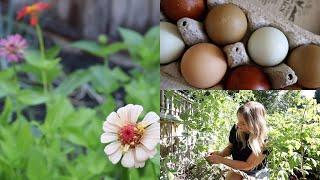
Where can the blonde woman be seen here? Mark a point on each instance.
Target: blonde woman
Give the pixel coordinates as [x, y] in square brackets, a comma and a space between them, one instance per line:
[247, 145]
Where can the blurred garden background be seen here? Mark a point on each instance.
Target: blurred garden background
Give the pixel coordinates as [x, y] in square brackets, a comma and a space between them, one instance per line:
[194, 123]
[98, 55]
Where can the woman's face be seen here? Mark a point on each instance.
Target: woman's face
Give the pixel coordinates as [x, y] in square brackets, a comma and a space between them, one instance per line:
[242, 125]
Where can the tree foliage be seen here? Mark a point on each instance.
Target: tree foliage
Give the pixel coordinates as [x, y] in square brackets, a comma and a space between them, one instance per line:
[294, 132]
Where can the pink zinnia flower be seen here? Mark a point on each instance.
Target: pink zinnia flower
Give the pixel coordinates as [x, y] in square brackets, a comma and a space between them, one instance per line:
[12, 48]
[134, 141]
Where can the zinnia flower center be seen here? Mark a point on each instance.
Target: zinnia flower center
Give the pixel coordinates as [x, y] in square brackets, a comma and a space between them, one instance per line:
[131, 135]
[11, 48]
[32, 9]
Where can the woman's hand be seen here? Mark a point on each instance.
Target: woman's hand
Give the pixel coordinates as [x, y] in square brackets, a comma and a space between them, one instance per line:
[215, 153]
[214, 159]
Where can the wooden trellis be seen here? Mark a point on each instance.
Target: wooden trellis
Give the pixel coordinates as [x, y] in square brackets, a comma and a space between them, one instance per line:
[173, 132]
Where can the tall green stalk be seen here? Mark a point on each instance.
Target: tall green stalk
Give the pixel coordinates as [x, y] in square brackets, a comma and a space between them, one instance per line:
[42, 51]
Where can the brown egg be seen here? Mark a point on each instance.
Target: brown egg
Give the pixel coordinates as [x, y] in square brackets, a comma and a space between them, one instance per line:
[305, 61]
[203, 65]
[177, 9]
[293, 87]
[248, 77]
[226, 24]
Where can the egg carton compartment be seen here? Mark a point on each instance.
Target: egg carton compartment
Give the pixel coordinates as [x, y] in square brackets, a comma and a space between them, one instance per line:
[280, 75]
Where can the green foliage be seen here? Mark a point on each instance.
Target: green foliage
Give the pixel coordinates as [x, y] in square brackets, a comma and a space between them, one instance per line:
[99, 49]
[143, 49]
[294, 132]
[47, 131]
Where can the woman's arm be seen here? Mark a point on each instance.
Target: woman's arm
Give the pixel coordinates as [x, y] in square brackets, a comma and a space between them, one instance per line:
[226, 151]
[251, 162]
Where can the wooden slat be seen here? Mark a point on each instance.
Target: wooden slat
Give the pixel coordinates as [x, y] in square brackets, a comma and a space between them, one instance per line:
[93, 17]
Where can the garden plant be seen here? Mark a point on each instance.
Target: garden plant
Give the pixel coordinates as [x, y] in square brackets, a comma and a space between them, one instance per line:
[293, 140]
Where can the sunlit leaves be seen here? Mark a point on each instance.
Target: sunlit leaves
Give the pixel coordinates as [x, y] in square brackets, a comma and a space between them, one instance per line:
[293, 121]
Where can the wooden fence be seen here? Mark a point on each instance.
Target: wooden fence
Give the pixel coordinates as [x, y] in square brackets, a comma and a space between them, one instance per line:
[89, 18]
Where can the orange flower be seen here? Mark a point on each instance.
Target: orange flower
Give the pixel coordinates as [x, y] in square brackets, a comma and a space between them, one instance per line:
[33, 10]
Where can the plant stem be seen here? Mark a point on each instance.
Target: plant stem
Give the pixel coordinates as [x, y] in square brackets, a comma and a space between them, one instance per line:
[42, 51]
[41, 41]
[44, 81]
[15, 73]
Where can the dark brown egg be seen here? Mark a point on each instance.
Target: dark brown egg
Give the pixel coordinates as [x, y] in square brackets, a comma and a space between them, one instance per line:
[248, 77]
[226, 24]
[177, 9]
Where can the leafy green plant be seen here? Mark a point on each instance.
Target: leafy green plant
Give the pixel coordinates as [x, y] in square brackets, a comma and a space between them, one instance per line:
[293, 120]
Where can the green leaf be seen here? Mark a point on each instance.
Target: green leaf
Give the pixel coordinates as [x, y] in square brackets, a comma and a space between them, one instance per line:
[6, 114]
[113, 48]
[118, 74]
[133, 174]
[8, 87]
[96, 164]
[6, 74]
[75, 135]
[103, 80]
[138, 91]
[72, 82]
[34, 58]
[156, 160]
[58, 108]
[130, 37]
[37, 168]
[24, 137]
[51, 74]
[152, 33]
[31, 97]
[89, 46]
[53, 52]
[100, 50]
[79, 118]
[8, 144]
[108, 106]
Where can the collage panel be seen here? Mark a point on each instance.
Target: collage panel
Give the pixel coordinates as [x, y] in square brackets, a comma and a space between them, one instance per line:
[239, 44]
[159, 89]
[239, 96]
[79, 90]
[213, 134]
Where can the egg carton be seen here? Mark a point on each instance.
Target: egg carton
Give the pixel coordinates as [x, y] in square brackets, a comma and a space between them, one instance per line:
[192, 32]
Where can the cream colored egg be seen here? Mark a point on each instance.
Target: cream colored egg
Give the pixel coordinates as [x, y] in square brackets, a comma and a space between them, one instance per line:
[268, 46]
[171, 43]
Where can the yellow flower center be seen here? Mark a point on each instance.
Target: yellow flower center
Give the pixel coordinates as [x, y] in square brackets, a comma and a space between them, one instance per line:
[32, 9]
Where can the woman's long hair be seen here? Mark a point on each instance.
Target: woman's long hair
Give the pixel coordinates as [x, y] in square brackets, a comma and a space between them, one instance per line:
[254, 115]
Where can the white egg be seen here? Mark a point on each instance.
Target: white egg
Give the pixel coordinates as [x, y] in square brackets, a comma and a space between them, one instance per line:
[268, 46]
[171, 43]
